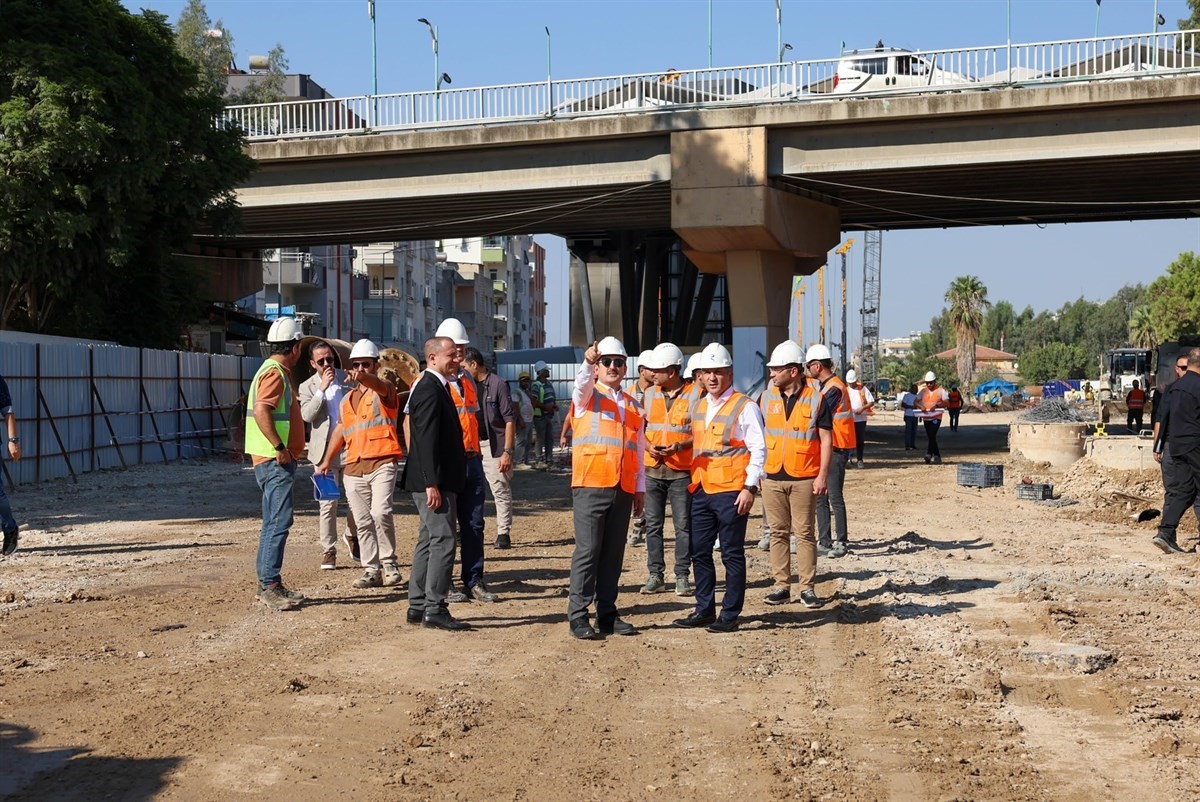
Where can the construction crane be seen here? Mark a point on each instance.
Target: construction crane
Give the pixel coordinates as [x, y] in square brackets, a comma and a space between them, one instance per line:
[821, 303]
[872, 267]
[798, 296]
[842, 251]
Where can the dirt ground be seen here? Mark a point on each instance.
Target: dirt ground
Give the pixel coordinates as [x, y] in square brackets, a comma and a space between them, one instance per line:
[948, 664]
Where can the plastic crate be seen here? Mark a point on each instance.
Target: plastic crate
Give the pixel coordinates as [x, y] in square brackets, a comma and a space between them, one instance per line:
[1035, 492]
[976, 474]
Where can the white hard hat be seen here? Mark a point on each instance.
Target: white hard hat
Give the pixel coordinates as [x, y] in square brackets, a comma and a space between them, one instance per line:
[539, 366]
[364, 349]
[284, 330]
[714, 356]
[665, 355]
[610, 346]
[851, 376]
[693, 360]
[929, 377]
[453, 328]
[817, 351]
[786, 353]
[646, 359]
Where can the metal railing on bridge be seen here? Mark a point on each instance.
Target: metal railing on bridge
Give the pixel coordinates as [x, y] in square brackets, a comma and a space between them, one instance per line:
[1150, 55]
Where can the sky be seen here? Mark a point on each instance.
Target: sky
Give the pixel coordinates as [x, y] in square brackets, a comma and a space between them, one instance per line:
[488, 42]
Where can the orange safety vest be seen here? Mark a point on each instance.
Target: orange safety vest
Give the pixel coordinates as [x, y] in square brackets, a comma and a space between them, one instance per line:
[467, 404]
[604, 450]
[1136, 400]
[719, 461]
[844, 436]
[370, 428]
[927, 403]
[793, 444]
[669, 425]
[955, 400]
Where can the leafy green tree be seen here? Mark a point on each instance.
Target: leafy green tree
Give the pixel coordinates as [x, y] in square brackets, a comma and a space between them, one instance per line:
[1193, 22]
[109, 162]
[1054, 361]
[967, 297]
[1142, 333]
[266, 86]
[999, 326]
[208, 44]
[1175, 299]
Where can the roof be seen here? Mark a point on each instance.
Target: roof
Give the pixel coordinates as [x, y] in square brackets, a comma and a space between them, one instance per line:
[982, 354]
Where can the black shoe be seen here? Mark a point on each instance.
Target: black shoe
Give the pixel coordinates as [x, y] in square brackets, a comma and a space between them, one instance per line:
[809, 598]
[779, 596]
[696, 620]
[1166, 544]
[928, 458]
[723, 625]
[414, 616]
[581, 629]
[479, 592]
[618, 627]
[10, 542]
[937, 460]
[503, 542]
[444, 621]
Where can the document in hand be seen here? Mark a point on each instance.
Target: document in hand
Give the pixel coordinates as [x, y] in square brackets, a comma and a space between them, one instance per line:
[325, 487]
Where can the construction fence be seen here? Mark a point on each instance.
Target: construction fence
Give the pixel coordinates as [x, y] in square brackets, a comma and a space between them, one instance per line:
[85, 406]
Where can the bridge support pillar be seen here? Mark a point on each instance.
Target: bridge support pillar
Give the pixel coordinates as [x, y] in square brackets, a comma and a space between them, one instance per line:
[732, 220]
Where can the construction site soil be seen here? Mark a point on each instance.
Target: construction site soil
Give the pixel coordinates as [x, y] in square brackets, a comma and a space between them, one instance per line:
[973, 646]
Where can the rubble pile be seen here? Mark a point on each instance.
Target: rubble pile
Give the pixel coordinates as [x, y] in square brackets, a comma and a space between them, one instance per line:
[1056, 410]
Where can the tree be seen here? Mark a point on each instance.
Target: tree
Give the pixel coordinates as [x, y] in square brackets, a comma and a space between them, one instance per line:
[208, 44]
[1175, 299]
[1193, 22]
[1053, 361]
[109, 162]
[266, 86]
[1141, 328]
[999, 326]
[967, 297]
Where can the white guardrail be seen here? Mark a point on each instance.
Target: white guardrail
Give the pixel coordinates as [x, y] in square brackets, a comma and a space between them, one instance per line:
[863, 73]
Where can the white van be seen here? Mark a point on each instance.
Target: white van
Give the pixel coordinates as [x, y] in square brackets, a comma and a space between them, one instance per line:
[890, 68]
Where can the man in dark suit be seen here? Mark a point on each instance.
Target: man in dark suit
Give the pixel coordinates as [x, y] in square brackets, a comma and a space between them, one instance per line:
[434, 472]
[1177, 447]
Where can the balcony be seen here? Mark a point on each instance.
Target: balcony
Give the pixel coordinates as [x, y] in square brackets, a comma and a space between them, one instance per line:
[500, 290]
[296, 270]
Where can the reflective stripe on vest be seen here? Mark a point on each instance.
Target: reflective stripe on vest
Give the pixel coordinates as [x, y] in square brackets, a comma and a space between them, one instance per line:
[955, 400]
[669, 425]
[370, 430]
[604, 452]
[467, 404]
[719, 462]
[793, 444]
[844, 436]
[927, 403]
[1136, 401]
[257, 443]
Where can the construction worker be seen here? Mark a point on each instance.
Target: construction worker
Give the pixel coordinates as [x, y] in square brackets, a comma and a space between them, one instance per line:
[320, 405]
[7, 521]
[799, 450]
[668, 459]
[524, 420]
[367, 428]
[908, 402]
[545, 405]
[863, 404]
[274, 440]
[470, 501]
[954, 402]
[832, 538]
[1135, 401]
[728, 454]
[608, 482]
[645, 380]
[931, 400]
[498, 427]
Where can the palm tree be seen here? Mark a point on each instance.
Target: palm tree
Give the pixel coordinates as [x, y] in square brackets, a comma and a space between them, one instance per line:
[1141, 329]
[967, 298]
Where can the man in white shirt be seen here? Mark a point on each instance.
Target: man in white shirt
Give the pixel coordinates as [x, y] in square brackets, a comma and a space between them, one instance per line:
[728, 454]
[861, 402]
[908, 402]
[320, 401]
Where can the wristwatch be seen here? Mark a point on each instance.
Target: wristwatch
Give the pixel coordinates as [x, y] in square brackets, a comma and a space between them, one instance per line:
[14, 440]
[280, 447]
[508, 451]
[752, 489]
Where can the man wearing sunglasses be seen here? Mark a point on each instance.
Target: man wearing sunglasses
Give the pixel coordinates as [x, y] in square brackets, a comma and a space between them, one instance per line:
[1171, 444]
[320, 405]
[608, 481]
[367, 428]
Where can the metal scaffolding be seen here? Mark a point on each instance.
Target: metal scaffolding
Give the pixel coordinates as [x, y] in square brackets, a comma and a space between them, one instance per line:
[872, 265]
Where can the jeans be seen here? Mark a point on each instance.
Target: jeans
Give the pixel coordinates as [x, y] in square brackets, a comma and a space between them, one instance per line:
[657, 493]
[523, 443]
[470, 523]
[716, 517]
[860, 437]
[931, 430]
[836, 499]
[910, 431]
[544, 424]
[1133, 421]
[276, 482]
[7, 522]
[954, 419]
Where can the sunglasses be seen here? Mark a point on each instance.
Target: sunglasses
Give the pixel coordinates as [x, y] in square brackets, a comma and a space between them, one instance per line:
[366, 364]
[612, 362]
[1181, 367]
[326, 361]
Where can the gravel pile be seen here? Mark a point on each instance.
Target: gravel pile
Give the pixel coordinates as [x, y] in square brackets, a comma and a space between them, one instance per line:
[1056, 410]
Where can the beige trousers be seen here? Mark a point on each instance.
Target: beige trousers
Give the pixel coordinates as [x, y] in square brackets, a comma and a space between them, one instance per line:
[501, 486]
[370, 500]
[328, 512]
[790, 507]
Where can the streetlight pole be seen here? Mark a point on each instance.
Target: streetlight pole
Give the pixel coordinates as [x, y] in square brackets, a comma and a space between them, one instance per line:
[549, 81]
[1096, 32]
[779, 28]
[710, 2]
[437, 73]
[374, 67]
[1008, 35]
